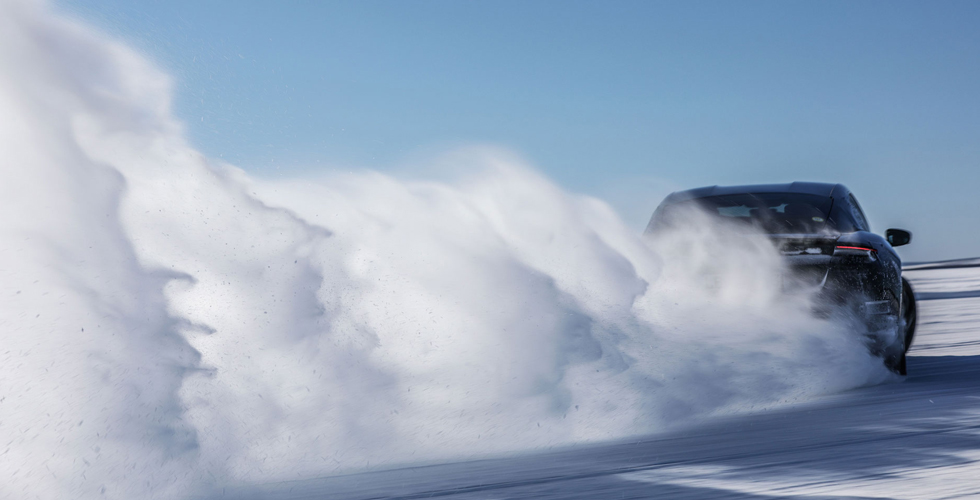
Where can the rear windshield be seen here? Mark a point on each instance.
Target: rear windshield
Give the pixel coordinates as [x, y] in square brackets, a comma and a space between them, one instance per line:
[772, 212]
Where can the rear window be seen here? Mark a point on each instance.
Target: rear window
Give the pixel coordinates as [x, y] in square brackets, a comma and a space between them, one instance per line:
[772, 212]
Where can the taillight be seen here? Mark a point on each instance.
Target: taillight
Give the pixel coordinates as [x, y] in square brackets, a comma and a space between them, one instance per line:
[857, 251]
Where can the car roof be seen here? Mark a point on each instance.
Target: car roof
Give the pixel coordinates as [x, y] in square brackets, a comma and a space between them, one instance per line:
[815, 188]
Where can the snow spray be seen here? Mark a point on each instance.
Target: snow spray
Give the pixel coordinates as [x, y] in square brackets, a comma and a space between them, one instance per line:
[172, 324]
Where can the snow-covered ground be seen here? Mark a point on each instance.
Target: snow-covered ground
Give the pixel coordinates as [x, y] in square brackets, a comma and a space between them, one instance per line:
[919, 438]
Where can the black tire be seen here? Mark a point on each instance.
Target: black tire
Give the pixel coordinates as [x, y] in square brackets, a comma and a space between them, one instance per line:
[909, 314]
[896, 363]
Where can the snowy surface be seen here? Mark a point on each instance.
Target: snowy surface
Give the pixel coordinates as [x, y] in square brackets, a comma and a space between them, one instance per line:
[918, 438]
[946, 282]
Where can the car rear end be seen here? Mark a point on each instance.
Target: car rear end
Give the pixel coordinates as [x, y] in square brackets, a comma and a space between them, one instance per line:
[825, 243]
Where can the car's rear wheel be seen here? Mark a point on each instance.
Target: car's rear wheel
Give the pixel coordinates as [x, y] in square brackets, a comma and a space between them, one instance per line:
[908, 313]
[897, 364]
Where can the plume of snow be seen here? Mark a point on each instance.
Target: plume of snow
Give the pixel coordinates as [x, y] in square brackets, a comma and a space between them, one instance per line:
[171, 324]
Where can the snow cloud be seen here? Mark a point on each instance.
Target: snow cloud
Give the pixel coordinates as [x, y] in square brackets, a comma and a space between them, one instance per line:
[172, 324]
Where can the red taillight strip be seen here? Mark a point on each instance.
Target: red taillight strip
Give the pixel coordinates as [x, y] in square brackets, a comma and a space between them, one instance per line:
[858, 248]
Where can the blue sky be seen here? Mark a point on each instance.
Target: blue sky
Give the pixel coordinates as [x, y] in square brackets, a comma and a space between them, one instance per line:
[622, 100]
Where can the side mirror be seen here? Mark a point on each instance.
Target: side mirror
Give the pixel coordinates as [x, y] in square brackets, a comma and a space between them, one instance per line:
[898, 237]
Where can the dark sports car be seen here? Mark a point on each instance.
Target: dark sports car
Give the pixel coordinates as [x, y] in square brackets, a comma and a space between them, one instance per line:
[824, 236]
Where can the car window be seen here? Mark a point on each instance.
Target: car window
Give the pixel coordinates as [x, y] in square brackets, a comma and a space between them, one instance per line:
[858, 214]
[772, 212]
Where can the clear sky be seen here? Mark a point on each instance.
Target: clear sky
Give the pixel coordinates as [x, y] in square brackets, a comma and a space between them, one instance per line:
[623, 100]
